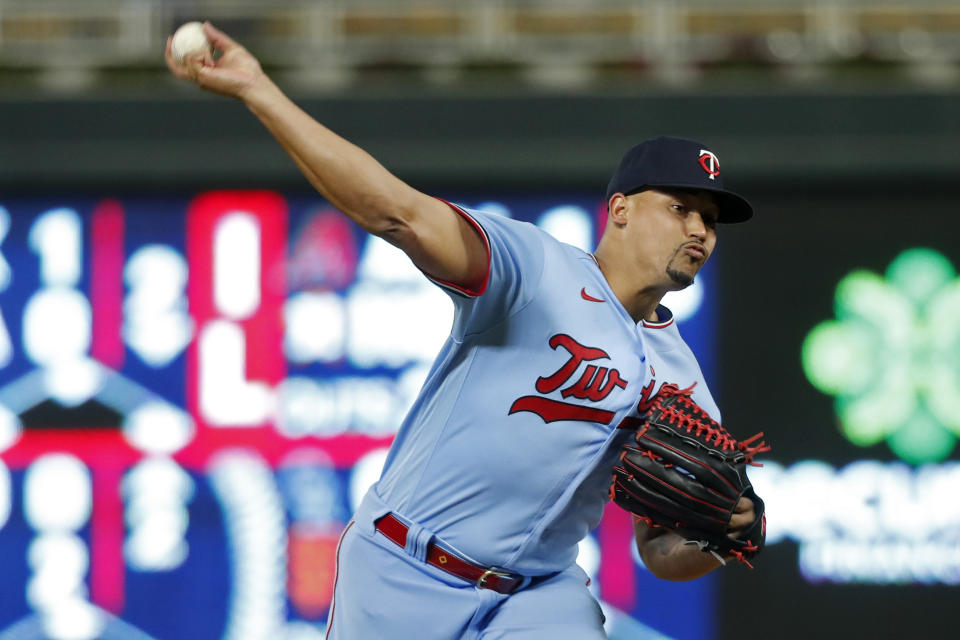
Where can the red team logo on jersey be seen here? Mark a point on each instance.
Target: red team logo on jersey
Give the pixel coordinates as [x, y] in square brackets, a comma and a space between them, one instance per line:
[594, 384]
[647, 396]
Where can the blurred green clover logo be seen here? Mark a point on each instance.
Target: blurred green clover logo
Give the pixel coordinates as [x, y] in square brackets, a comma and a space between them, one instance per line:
[892, 356]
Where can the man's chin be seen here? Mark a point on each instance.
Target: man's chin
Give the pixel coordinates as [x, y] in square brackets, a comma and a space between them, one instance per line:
[681, 279]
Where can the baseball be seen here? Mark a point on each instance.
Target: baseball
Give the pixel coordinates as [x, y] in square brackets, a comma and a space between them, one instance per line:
[189, 39]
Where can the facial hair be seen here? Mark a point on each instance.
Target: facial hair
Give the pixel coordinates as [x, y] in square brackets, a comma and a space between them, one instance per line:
[679, 277]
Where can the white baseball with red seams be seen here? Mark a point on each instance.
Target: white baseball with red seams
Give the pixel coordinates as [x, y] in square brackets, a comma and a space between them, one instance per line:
[188, 40]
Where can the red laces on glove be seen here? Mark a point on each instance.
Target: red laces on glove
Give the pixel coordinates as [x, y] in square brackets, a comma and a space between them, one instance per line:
[712, 432]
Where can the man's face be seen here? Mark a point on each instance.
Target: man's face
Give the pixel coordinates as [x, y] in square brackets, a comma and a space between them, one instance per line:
[673, 231]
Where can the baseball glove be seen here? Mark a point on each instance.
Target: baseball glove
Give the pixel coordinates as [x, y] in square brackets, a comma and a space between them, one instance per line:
[684, 472]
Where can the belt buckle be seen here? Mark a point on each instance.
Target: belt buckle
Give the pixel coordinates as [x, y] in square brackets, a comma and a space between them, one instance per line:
[482, 582]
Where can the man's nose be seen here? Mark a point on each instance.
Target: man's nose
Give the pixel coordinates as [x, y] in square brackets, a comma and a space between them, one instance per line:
[696, 226]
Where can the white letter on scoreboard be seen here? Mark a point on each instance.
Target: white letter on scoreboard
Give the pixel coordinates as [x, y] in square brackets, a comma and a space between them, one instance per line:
[236, 266]
[227, 398]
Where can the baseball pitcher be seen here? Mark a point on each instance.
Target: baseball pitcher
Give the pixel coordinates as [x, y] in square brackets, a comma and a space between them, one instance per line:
[538, 407]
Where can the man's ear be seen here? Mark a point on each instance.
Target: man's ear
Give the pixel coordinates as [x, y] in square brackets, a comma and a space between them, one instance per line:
[617, 209]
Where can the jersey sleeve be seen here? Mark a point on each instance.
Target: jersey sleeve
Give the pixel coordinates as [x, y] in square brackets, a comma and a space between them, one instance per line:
[515, 257]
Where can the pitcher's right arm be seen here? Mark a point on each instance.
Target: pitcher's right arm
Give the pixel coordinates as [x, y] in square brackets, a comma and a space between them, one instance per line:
[438, 240]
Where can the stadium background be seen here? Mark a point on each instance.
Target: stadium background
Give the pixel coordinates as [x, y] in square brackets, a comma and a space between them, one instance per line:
[200, 364]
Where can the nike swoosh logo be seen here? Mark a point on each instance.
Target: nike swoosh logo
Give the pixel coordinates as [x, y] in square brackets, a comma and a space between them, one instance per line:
[587, 296]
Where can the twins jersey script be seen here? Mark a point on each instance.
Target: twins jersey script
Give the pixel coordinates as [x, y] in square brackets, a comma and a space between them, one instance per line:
[505, 457]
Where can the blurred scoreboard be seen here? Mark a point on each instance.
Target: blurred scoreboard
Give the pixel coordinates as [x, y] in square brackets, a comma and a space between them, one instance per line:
[195, 392]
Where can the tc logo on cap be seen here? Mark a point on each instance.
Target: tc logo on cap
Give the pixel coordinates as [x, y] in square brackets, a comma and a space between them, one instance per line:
[710, 163]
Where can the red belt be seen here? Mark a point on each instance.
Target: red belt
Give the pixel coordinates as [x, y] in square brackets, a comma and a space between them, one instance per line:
[485, 578]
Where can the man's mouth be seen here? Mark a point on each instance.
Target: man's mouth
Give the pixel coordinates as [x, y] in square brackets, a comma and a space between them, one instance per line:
[695, 250]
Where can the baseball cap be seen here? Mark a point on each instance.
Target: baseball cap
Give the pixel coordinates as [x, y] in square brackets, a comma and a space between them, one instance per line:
[680, 163]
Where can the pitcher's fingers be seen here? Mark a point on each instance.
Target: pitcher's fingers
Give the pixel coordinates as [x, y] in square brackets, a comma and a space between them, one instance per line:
[740, 521]
[206, 60]
[192, 64]
[743, 505]
[220, 40]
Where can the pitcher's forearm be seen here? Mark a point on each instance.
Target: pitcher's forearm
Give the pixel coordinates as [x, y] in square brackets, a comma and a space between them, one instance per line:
[346, 175]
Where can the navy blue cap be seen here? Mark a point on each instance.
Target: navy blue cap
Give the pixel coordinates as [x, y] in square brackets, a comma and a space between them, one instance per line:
[679, 163]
